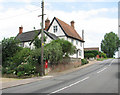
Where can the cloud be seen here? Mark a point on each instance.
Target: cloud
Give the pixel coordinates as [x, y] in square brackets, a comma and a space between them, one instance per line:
[94, 25]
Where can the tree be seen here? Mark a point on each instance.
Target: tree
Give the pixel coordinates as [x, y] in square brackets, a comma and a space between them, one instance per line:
[37, 41]
[53, 52]
[57, 49]
[110, 44]
[95, 52]
[102, 54]
[67, 47]
[9, 48]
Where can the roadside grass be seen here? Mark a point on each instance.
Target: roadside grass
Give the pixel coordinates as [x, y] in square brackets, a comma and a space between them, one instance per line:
[101, 59]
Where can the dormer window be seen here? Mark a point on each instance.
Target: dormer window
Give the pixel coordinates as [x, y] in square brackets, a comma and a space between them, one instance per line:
[55, 29]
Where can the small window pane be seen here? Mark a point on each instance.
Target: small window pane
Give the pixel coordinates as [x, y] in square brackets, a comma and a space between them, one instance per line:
[76, 42]
[80, 53]
[55, 29]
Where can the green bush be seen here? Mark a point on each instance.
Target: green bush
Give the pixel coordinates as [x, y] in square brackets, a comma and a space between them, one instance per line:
[67, 47]
[19, 74]
[27, 68]
[95, 52]
[34, 56]
[4, 71]
[21, 56]
[53, 52]
[89, 55]
[9, 49]
[102, 54]
[84, 61]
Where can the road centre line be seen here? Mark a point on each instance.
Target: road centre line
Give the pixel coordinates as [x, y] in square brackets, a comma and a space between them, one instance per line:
[68, 86]
[102, 70]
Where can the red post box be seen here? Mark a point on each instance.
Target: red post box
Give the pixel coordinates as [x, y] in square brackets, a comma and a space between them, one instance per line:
[46, 63]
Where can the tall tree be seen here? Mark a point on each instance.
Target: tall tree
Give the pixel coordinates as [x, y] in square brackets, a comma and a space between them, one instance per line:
[110, 44]
[37, 41]
[9, 48]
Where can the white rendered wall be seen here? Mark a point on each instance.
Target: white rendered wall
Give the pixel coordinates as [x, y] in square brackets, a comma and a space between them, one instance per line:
[59, 31]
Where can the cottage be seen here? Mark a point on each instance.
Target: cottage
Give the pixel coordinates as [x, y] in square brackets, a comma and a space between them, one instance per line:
[56, 29]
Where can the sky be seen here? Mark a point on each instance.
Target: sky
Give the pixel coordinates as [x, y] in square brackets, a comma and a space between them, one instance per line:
[95, 17]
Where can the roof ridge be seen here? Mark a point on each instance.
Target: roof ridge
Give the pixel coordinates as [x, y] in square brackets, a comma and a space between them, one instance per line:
[30, 31]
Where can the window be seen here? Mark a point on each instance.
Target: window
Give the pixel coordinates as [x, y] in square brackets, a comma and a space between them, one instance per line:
[21, 44]
[55, 29]
[80, 53]
[81, 44]
[76, 42]
[72, 41]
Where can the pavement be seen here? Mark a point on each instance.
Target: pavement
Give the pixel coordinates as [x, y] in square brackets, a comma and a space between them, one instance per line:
[17, 82]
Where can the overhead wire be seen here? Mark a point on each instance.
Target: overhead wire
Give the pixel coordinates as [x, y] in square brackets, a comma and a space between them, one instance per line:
[19, 14]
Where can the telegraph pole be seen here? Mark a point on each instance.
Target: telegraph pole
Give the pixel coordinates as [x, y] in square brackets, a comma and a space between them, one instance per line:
[42, 43]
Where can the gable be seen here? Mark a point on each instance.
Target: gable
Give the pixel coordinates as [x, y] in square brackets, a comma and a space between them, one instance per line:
[59, 32]
[68, 30]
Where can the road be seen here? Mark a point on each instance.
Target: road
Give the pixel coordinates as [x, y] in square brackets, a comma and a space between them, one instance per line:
[101, 77]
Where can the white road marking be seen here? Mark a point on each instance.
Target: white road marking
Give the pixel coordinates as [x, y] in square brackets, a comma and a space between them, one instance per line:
[68, 86]
[111, 62]
[102, 70]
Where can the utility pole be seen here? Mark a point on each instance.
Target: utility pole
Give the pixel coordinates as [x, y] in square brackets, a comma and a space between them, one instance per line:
[42, 43]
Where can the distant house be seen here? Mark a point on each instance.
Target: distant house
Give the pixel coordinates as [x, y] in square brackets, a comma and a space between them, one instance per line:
[56, 29]
[92, 48]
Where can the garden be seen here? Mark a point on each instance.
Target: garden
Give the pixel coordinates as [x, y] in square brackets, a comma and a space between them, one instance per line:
[19, 62]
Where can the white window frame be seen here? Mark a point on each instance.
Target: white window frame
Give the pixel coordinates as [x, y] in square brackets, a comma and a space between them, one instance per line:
[80, 52]
[55, 28]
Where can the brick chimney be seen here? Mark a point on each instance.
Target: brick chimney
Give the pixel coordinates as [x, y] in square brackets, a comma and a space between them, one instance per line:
[20, 29]
[72, 23]
[47, 23]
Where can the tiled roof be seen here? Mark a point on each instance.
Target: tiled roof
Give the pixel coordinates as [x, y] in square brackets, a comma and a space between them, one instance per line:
[93, 48]
[27, 36]
[69, 30]
[30, 35]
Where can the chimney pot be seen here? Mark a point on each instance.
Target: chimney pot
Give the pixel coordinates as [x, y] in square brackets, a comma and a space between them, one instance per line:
[20, 29]
[72, 23]
[47, 23]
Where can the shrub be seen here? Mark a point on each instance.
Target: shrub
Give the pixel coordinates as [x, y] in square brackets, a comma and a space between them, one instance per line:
[67, 47]
[9, 49]
[27, 68]
[53, 52]
[89, 55]
[84, 61]
[21, 56]
[34, 56]
[4, 71]
[95, 52]
[19, 74]
[102, 54]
